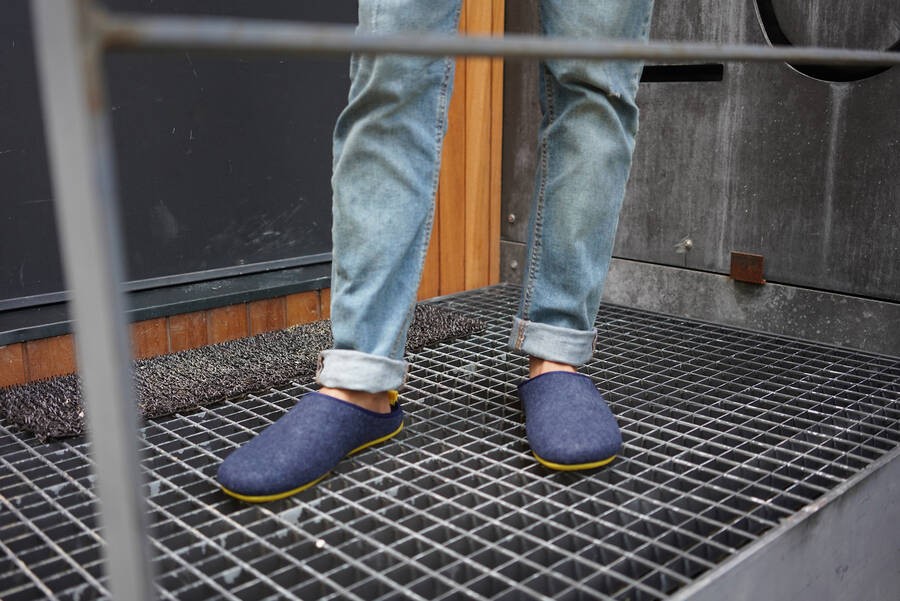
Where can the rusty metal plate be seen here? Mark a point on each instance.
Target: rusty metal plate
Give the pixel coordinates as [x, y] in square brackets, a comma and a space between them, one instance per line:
[746, 267]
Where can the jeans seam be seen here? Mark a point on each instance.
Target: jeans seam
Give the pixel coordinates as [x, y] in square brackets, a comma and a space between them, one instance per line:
[520, 337]
[435, 181]
[534, 259]
[410, 314]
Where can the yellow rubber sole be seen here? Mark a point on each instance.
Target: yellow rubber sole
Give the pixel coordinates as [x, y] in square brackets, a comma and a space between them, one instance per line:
[283, 495]
[565, 467]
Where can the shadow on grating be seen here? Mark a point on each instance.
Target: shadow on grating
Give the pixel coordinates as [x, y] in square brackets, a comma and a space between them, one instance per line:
[727, 433]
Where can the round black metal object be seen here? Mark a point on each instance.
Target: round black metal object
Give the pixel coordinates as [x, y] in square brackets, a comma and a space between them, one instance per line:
[838, 73]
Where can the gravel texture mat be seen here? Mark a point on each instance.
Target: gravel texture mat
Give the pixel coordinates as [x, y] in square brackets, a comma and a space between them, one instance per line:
[167, 384]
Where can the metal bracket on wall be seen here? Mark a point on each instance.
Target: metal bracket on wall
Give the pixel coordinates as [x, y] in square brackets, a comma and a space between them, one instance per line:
[746, 267]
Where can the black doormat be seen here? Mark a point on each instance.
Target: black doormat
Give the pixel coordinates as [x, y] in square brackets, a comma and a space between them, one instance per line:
[183, 381]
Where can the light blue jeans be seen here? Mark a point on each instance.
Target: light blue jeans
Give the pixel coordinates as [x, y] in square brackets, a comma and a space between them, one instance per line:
[387, 147]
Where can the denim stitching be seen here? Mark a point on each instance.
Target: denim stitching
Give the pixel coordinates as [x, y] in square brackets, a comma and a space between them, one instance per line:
[520, 338]
[435, 179]
[410, 314]
[534, 259]
[320, 365]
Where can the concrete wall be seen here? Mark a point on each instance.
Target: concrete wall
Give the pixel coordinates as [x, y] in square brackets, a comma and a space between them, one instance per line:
[770, 160]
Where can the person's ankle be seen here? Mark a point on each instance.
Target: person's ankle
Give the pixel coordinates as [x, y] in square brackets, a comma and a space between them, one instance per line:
[379, 402]
[537, 366]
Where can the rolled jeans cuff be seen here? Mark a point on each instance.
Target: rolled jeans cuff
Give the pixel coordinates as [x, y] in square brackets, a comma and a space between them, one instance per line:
[355, 370]
[553, 343]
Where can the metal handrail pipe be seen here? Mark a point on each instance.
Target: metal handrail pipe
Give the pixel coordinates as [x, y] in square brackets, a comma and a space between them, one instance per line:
[233, 35]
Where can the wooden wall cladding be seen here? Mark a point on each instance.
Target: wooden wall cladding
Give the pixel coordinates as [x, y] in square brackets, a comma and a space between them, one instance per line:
[29, 361]
[464, 252]
[12, 364]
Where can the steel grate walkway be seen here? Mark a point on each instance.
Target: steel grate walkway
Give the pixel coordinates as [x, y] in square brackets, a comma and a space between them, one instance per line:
[727, 432]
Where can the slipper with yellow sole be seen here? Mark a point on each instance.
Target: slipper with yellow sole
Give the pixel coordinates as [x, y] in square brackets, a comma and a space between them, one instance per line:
[568, 424]
[303, 446]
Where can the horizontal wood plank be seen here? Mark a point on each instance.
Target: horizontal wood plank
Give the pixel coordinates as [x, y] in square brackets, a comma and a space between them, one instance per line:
[12, 364]
[302, 308]
[227, 323]
[187, 331]
[50, 357]
[149, 338]
[266, 315]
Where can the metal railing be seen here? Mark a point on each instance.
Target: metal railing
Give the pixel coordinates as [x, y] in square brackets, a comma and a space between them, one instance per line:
[71, 37]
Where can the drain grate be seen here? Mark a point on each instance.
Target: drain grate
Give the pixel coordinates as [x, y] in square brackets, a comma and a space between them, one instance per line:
[726, 433]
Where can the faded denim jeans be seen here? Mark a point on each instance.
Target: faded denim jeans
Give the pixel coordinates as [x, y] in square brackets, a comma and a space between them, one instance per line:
[387, 146]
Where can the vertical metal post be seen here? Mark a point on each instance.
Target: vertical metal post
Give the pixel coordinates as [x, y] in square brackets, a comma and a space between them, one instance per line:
[80, 147]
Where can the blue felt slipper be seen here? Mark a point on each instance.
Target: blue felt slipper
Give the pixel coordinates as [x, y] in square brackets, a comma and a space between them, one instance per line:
[568, 424]
[304, 445]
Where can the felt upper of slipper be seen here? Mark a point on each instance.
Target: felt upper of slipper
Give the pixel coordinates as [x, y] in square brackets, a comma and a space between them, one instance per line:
[567, 421]
[304, 445]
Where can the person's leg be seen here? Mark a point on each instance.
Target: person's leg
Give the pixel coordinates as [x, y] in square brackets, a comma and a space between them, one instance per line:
[387, 145]
[586, 141]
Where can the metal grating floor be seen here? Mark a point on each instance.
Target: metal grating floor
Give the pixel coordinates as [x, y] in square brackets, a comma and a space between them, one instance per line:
[726, 432]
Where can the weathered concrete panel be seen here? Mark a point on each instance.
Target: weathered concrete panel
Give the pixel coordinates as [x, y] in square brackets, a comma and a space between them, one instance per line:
[521, 119]
[849, 321]
[871, 24]
[512, 261]
[866, 324]
[768, 161]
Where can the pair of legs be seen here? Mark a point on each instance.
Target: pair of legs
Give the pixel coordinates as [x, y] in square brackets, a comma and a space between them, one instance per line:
[380, 402]
[387, 146]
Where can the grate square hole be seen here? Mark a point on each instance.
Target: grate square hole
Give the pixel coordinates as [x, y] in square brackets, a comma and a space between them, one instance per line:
[491, 559]
[371, 589]
[709, 552]
[605, 583]
[316, 589]
[436, 560]
[488, 586]
[661, 582]
[405, 574]
[462, 572]
[686, 566]
[430, 588]
[600, 554]
[574, 569]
